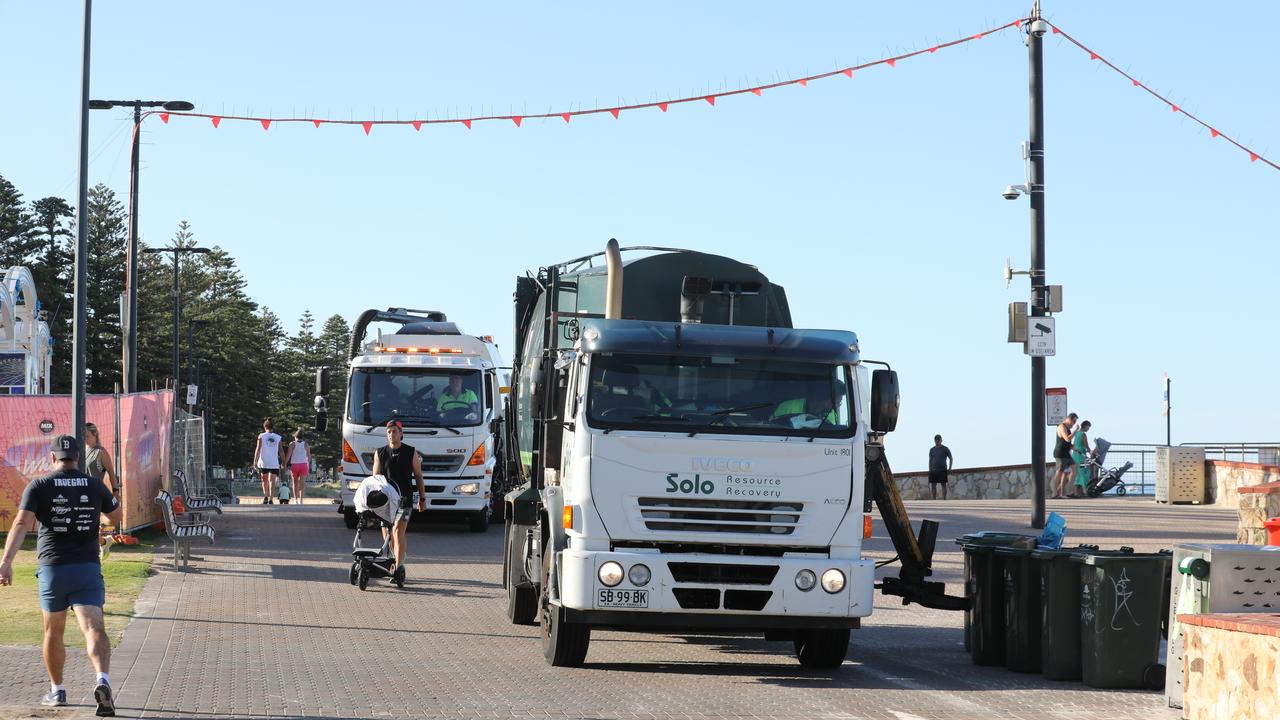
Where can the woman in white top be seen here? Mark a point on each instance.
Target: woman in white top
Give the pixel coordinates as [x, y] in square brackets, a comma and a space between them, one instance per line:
[266, 457]
[299, 464]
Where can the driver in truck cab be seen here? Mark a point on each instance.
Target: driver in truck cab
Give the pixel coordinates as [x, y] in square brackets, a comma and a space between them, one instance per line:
[455, 398]
[818, 401]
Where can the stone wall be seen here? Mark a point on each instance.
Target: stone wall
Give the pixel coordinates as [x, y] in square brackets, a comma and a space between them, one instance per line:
[1001, 482]
[1230, 667]
[1224, 477]
[1257, 504]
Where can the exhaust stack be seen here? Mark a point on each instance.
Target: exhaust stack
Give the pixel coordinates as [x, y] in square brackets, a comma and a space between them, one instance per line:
[613, 292]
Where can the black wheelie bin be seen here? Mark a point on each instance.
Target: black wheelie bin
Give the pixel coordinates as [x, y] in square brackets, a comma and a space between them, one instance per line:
[984, 586]
[1121, 597]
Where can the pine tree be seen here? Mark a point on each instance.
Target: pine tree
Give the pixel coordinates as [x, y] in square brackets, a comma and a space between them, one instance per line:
[17, 244]
[106, 240]
[335, 337]
[53, 270]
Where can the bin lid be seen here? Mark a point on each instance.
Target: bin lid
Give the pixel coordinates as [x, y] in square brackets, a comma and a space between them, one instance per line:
[988, 537]
[1047, 554]
[1109, 558]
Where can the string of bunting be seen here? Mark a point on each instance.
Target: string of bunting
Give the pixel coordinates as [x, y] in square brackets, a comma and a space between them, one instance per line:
[711, 98]
[616, 111]
[1254, 156]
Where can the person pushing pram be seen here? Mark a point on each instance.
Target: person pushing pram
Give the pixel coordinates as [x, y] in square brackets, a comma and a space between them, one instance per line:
[1103, 479]
[401, 465]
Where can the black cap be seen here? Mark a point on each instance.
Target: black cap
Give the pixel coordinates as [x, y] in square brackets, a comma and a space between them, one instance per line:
[65, 447]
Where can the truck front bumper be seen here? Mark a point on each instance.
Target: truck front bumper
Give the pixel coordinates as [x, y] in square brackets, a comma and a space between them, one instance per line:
[705, 590]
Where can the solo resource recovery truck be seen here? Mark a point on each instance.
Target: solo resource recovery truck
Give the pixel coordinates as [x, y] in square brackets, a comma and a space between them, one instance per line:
[445, 389]
[687, 460]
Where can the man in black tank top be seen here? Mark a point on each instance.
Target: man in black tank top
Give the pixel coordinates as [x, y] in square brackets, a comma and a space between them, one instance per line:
[399, 463]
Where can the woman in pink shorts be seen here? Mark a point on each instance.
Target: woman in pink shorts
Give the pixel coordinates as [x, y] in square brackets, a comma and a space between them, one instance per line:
[299, 455]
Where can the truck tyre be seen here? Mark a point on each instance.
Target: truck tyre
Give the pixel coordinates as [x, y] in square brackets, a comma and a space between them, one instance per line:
[479, 522]
[822, 649]
[564, 644]
[349, 518]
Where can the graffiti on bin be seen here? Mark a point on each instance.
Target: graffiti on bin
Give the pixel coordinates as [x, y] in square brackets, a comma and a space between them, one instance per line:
[1124, 592]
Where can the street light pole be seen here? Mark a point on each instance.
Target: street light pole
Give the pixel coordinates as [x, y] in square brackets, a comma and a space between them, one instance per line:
[81, 304]
[129, 355]
[1039, 302]
[176, 250]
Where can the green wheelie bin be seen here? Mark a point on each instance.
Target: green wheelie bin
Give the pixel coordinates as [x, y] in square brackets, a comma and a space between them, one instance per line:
[984, 586]
[1060, 611]
[1121, 596]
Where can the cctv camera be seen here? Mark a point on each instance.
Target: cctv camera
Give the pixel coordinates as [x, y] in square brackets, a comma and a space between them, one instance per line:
[1011, 192]
[1039, 28]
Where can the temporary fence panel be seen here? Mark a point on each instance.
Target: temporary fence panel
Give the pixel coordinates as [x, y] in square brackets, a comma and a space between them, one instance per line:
[189, 452]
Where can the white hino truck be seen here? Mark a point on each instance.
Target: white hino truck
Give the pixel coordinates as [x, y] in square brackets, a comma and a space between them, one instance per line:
[689, 462]
[445, 387]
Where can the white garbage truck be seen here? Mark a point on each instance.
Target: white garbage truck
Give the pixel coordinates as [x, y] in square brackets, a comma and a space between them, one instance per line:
[445, 388]
[692, 463]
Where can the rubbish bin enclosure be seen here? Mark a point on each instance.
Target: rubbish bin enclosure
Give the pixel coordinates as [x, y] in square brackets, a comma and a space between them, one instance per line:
[1233, 578]
[1180, 475]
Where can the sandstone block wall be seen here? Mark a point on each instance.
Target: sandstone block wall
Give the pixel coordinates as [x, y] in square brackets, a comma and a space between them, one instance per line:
[1230, 673]
[1003, 482]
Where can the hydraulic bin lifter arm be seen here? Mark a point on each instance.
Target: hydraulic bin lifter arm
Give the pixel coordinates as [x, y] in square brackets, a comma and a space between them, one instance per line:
[915, 553]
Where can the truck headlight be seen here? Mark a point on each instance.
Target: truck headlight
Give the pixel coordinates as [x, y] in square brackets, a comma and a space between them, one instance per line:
[833, 581]
[805, 580]
[639, 575]
[610, 574]
[467, 489]
[353, 484]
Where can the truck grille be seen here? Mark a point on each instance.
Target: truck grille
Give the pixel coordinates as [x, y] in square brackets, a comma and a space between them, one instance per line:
[719, 574]
[731, 516]
[430, 463]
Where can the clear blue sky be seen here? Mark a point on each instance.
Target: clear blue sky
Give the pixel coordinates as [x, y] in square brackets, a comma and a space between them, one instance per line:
[875, 201]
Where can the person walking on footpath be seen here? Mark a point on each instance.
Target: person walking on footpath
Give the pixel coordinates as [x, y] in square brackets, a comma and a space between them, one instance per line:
[266, 457]
[66, 505]
[400, 464]
[1062, 453]
[299, 453]
[939, 465]
[97, 463]
[1079, 456]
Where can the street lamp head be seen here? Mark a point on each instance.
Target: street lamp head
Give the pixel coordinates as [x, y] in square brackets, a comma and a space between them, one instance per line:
[101, 104]
[179, 106]
[201, 250]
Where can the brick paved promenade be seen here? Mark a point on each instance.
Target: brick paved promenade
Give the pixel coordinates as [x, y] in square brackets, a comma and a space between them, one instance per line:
[266, 626]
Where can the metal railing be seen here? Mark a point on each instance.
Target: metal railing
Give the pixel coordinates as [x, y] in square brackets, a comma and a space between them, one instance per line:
[1141, 479]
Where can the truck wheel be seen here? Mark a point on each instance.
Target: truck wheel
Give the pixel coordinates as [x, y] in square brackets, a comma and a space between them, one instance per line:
[522, 602]
[479, 522]
[349, 518]
[564, 644]
[822, 649]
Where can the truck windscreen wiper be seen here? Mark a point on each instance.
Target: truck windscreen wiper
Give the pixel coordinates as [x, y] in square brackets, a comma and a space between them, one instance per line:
[720, 415]
[416, 419]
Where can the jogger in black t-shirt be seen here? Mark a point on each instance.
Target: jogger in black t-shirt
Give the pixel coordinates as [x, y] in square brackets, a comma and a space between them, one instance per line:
[65, 506]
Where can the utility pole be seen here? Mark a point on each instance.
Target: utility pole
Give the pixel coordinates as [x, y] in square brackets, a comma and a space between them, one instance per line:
[177, 299]
[81, 305]
[1039, 302]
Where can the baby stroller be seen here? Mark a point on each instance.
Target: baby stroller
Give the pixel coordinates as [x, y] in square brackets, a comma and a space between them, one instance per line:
[377, 506]
[1102, 478]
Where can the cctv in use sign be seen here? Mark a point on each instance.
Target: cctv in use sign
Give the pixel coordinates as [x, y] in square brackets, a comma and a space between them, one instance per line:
[1041, 337]
[1055, 405]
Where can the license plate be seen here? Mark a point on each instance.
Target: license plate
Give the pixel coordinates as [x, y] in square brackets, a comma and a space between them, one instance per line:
[623, 598]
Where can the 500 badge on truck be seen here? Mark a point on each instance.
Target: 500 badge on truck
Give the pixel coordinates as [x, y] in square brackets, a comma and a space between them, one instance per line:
[689, 486]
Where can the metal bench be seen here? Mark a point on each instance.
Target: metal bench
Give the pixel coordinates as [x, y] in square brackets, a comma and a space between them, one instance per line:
[197, 505]
[182, 530]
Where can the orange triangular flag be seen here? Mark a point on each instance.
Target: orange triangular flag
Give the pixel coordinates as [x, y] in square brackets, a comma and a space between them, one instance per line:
[848, 72]
[266, 124]
[662, 107]
[215, 121]
[517, 120]
[317, 122]
[804, 83]
[164, 118]
[467, 123]
[417, 125]
[614, 113]
[892, 62]
[565, 116]
[756, 91]
[367, 126]
[711, 99]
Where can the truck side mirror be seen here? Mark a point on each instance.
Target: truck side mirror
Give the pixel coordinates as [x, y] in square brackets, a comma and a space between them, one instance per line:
[322, 381]
[884, 400]
[537, 381]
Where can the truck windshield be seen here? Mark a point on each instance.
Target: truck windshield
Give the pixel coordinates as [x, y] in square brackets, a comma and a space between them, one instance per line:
[423, 396]
[719, 395]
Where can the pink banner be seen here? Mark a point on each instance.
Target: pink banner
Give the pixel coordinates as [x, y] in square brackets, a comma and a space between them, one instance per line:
[29, 422]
